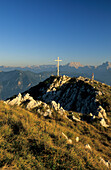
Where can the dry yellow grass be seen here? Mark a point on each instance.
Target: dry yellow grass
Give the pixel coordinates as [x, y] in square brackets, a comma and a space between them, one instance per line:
[31, 142]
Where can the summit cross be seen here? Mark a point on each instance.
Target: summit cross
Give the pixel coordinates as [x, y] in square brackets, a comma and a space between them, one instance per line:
[58, 66]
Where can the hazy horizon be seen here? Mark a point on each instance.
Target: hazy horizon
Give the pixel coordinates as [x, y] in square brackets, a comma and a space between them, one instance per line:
[52, 64]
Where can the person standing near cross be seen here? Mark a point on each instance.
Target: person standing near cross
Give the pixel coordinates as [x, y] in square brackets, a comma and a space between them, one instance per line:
[58, 66]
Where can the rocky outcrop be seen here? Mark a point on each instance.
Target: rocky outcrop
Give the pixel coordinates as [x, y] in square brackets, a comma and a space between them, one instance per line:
[42, 108]
[103, 123]
[101, 113]
[106, 163]
[72, 117]
[65, 93]
[15, 101]
[87, 146]
[69, 141]
[74, 94]
[19, 100]
[77, 139]
[58, 83]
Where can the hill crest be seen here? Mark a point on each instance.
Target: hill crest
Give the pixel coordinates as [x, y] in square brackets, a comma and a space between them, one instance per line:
[80, 94]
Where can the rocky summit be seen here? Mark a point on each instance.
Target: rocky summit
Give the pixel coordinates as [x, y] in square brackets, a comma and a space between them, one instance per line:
[82, 95]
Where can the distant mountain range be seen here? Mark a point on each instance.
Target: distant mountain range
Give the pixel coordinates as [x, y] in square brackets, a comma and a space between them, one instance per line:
[34, 68]
[18, 79]
[101, 73]
[72, 65]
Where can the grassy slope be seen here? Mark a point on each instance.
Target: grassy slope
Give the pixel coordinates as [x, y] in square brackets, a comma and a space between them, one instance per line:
[31, 142]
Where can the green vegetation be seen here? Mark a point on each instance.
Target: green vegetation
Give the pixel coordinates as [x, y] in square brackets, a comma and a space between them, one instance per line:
[28, 141]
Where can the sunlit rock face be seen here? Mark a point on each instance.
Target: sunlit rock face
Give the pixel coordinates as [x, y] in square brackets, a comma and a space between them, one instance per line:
[72, 93]
[42, 108]
[65, 93]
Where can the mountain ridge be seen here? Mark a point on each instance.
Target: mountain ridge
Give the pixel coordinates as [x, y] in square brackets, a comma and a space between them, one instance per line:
[80, 94]
[38, 68]
[102, 73]
[17, 81]
[39, 133]
[75, 64]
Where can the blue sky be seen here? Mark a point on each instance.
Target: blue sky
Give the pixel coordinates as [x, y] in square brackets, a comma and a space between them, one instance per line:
[34, 32]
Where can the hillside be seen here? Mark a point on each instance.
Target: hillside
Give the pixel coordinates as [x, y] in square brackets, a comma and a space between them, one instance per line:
[16, 81]
[29, 140]
[61, 123]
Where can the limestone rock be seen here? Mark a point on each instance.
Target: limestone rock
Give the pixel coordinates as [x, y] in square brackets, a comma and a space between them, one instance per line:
[72, 117]
[58, 83]
[55, 105]
[77, 139]
[64, 135]
[27, 97]
[69, 141]
[46, 114]
[32, 104]
[106, 163]
[65, 93]
[99, 93]
[74, 94]
[101, 112]
[15, 101]
[39, 105]
[103, 123]
[92, 116]
[76, 119]
[87, 146]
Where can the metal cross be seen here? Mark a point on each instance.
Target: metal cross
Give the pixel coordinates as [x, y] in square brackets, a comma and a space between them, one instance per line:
[58, 66]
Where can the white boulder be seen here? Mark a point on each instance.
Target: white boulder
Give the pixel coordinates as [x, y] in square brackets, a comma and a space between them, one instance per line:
[32, 104]
[76, 119]
[55, 105]
[106, 163]
[69, 141]
[27, 97]
[87, 146]
[101, 112]
[15, 101]
[77, 139]
[103, 123]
